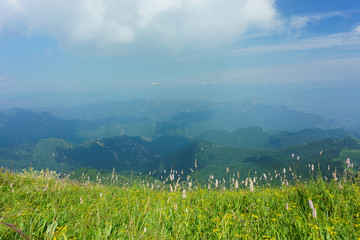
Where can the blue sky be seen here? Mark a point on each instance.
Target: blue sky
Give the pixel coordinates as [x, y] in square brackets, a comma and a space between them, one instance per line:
[110, 46]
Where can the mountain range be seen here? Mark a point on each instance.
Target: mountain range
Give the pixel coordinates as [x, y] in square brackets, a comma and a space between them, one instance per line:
[173, 135]
[151, 119]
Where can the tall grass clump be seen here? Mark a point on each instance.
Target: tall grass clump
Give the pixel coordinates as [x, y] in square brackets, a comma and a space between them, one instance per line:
[40, 205]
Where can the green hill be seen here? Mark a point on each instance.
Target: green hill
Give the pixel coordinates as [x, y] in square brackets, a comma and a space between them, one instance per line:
[40, 155]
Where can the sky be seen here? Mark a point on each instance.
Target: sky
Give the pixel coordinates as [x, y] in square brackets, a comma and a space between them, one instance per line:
[129, 48]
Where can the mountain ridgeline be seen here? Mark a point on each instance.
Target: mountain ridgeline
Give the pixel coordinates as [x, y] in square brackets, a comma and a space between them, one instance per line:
[151, 119]
[158, 135]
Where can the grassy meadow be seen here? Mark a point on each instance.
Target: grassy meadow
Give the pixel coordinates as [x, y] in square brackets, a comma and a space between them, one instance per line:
[41, 205]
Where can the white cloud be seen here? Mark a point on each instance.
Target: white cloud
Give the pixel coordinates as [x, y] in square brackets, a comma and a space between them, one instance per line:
[14, 4]
[299, 22]
[357, 29]
[345, 39]
[101, 24]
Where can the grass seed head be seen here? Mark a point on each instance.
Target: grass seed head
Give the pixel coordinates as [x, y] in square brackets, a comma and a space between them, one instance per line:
[311, 205]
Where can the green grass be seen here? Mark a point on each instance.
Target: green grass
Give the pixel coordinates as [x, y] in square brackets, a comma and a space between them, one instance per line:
[43, 206]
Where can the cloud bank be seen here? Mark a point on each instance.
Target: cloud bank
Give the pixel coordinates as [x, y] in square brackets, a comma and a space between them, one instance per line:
[104, 24]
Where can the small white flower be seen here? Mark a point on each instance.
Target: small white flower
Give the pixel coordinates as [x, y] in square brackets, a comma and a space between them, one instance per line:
[251, 185]
[348, 162]
[311, 205]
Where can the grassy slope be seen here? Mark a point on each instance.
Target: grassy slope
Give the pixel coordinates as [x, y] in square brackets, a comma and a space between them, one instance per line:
[46, 207]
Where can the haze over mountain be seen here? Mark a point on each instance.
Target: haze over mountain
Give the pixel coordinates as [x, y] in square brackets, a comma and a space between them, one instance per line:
[338, 102]
[151, 119]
